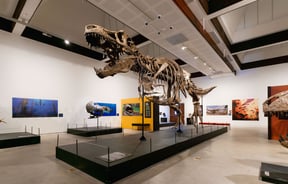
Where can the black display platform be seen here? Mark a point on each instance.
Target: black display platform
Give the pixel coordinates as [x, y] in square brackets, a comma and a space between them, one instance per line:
[128, 154]
[93, 131]
[167, 124]
[274, 173]
[8, 140]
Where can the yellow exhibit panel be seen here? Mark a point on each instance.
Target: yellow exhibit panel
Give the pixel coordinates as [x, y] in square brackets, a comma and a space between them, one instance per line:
[131, 114]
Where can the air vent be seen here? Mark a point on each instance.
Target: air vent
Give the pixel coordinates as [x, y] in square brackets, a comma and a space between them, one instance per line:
[176, 39]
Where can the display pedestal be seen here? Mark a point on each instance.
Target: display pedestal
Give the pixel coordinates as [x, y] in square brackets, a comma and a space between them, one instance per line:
[137, 155]
[9, 140]
[93, 131]
[274, 173]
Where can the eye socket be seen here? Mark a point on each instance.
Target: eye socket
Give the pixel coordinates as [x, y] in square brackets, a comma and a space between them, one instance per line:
[91, 26]
[119, 34]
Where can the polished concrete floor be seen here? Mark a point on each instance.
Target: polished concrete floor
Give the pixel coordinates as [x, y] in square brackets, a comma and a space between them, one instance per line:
[233, 157]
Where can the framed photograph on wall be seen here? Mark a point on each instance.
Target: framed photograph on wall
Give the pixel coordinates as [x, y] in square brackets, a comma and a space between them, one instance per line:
[245, 109]
[131, 109]
[31, 107]
[109, 109]
[217, 110]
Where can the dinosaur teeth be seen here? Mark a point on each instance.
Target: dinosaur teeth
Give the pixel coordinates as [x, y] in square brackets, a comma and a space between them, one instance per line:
[102, 40]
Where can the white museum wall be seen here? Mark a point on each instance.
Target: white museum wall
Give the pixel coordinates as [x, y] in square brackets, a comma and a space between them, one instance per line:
[250, 83]
[29, 69]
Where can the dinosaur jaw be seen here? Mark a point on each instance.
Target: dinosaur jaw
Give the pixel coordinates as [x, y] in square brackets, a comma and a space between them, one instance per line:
[101, 73]
[112, 68]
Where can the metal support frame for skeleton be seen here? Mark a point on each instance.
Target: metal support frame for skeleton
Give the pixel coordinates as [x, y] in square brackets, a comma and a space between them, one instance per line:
[153, 72]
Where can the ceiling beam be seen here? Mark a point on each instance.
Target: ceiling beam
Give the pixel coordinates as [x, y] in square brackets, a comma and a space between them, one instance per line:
[259, 42]
[218, 8]
[265, 62]
[16, 15]
[59, 42]
[205, 5]
[6, 25]
[221, 32]
[254, 44]
[24, 12]
[18, 9]
[182, 5]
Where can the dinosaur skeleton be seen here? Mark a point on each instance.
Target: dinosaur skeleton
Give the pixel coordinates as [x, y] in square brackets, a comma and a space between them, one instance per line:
[153, 72]
[276, 105]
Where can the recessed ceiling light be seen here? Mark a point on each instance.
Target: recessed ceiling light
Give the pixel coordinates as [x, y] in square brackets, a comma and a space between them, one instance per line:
[204, 64]
[196, 57]
[66, 42]
[183, 47]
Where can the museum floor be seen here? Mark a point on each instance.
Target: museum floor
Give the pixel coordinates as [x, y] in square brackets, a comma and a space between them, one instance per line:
[233, 157]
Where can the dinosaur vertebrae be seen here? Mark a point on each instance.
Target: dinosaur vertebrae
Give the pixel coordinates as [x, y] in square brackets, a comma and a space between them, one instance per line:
[159, 70]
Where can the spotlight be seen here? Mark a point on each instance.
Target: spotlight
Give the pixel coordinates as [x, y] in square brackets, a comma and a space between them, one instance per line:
[159, 16]
[159, 32]
[67, 42]
[171, 27]
[146, 23]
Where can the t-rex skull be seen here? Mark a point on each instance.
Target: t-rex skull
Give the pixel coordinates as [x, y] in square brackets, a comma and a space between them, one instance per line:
[114, 44]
